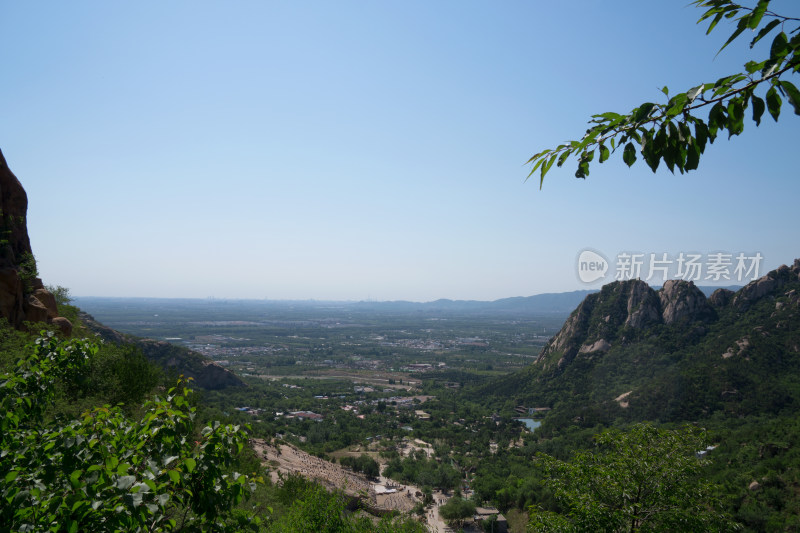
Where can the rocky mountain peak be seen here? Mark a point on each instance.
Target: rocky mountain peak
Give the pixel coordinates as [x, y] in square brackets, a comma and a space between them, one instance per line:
[682, 301]
[604, 319]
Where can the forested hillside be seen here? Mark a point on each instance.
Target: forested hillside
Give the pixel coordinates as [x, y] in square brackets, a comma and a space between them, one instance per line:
[729, 364]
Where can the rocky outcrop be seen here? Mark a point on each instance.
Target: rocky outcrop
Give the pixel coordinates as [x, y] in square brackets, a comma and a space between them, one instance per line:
[721, 297]
[602, 316]
[682, 301]
[22, 295]
[643, 305]
[600, 346]
[766, 285]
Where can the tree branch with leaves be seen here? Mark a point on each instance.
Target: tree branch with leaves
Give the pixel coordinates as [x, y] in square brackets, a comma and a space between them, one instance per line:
[672, 131]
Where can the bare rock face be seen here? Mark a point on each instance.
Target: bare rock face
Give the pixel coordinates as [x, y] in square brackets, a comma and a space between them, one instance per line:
[683, 301]
[14, 241]
[22, 297]
[599, 346]
[643, 305]
[11, 296]
[721, 297]
[766, 285]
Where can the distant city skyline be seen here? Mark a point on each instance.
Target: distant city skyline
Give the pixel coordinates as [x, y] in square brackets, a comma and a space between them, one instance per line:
[353, 151]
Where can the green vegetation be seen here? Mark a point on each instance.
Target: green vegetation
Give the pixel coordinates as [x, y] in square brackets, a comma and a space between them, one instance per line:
[363, 463]
[672, 131]
[450, 425]
[104, 471]
[645, 479]
[456, 510]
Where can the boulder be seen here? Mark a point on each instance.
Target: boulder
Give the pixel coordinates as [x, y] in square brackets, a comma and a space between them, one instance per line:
[63, 324]
[48, 301]
[35, 311]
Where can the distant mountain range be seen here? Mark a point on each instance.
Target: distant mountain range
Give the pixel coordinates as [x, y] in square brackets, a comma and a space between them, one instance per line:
[558, 303]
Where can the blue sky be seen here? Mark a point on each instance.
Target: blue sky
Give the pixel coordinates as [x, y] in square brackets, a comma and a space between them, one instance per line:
[353, 150]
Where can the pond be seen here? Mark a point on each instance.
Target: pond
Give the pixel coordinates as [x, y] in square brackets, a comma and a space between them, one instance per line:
[530, 423]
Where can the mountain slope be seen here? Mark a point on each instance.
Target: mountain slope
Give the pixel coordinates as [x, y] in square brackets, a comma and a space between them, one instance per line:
[631, 353]
[172, 358]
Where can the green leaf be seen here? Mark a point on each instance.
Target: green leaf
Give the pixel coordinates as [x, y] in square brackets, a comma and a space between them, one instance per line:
[752, 66]
[758, 13]
[75, 479]
[604, 153]
[764, 31]
[692, 156]
[739, 29]
[774, 103]
[713, 23]
[735, 117]
[676, 104]
[190, 464]
[629, 154]
[701, 134]
[643, 111]
[716, 117]
[780, 47]
[546, 167]
[793, 94]
[758, 109]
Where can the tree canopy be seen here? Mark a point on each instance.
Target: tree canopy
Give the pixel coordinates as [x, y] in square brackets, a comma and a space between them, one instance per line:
[645, 479]
[672, 130]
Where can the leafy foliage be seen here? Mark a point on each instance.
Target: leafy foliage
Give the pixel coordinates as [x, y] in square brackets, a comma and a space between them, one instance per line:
[646, 479]
[314, 509]
[364, 463]
[457, 509]
[104, 472]
[671, 131]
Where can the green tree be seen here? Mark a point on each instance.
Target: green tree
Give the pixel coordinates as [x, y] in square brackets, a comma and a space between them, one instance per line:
[103, 471]
[646, 479]
[671, 131]
[456, 510]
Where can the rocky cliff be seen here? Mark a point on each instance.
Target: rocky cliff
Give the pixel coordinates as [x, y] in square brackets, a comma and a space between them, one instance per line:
[606, 317]
[23, 297]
